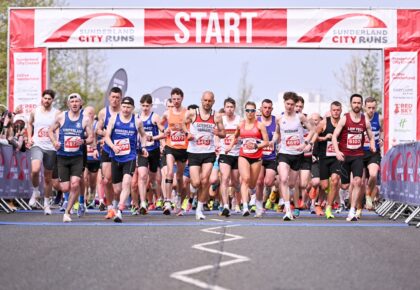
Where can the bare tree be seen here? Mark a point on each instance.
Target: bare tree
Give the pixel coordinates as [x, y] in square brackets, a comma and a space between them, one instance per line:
[245, 90]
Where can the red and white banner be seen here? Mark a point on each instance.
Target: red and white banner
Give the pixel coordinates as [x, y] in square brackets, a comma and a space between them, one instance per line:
[89, 27]
[341, 28]
[27, 78]
[401, 102]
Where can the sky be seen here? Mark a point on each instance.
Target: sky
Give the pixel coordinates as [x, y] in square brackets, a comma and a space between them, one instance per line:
[270, 71]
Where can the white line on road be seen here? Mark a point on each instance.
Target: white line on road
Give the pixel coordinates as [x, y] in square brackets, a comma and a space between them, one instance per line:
[184, 275]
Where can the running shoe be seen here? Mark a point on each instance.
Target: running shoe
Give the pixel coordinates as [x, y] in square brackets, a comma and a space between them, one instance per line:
[288, 216]
[118, 217]
[237, 208]
[296, 213]
[184, 204]
[200, 216]
[167, 208]
[110, 214]
[66, 218]
[151, 207]
[102, 206]
[328, 213]
[312, 209]
[159, 205]
[258, 213]
[225, 212]
[64, 206]
[179, 212]
[194, 203]
[245, 212]
[253, 208]
[81, 210]
[318, 210]
[216, 205]
[268, 204]
[143, 211]
[91, 205]
[369, 202]
[351, 218]
[47, 210]
[134, 210]
[358, 214]
[34, 197]
[341, 208]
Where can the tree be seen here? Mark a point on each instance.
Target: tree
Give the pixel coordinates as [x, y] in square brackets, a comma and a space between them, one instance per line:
[245, 90]
[361, 75]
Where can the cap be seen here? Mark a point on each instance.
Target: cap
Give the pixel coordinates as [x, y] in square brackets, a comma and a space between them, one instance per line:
[18, 118]
[74, 96]
[128, 100]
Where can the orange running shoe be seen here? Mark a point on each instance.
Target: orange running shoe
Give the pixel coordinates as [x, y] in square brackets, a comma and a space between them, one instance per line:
[318, 210]
[111, 214]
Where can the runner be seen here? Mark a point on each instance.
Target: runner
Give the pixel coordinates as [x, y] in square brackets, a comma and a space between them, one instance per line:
[292, 147]
[176, 146]
[75, 130]
[329, 166]
[148, 166]
[268, 171]
[41, 147]
[372, 161]
[350, 131]
[115, 95]
[121, 137]
[254, 138]
[203, 124]
[228, 162]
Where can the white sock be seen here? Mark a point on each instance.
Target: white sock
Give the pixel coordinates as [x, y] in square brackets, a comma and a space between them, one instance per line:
[46, 201]
[352, 211]
[341, 194]
[143, 204]
[101, 200]
[245, 206]
[200, 207]
[281, 201]
[226, 206]
[259, 204]
[287, 205]
[193, 189]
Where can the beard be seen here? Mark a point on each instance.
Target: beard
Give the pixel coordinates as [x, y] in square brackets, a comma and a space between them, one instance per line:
[356, 109]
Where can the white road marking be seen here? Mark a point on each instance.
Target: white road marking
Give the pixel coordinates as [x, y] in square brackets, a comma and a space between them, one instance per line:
[184, 275]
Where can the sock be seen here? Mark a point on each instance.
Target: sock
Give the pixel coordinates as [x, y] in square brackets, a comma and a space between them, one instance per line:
[66, 196]
[143, 204]
[259, 204]
[287, 205]
[81, 199]
[36, 188]
[46, 201]
[101, 200]
[352, 211]
[226, 206]
[200, 207]
[281, 202]
[341, 194]
[245, 206]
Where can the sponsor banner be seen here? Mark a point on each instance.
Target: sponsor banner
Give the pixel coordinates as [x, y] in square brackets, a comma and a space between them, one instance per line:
[215, 27]
[15, 169]
[89, 27]
[408, 28]
[27, 78]
[403, 97]
[119, 79]
[341, 28]
[400, 174]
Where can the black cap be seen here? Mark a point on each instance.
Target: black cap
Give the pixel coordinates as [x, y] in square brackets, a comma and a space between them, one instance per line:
[128, 100]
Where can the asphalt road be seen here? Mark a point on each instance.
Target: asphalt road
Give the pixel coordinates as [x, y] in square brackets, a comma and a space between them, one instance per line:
[160, 252]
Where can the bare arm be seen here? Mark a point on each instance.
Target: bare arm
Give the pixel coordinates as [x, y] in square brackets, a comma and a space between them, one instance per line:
[370, 135]
[89, 131]
[337, 131]
[51, 131]
[108, 133]
[101, 122]
[30, 130]
[157, 120]
[220, 132]
[264, 134]
[189, 116]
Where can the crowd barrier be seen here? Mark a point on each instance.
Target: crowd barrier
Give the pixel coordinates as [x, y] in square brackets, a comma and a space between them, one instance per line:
[15, 177]
[400, 183]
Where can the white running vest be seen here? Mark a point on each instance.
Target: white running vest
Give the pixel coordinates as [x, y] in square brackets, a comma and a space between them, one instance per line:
[230, 129]
[42, 122]
[291, 132]
[202, 130]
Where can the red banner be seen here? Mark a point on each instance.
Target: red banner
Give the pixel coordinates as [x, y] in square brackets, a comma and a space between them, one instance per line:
[215, 27]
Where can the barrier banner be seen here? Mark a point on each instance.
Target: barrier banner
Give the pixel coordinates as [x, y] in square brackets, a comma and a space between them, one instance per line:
[15, 174]
[400, 174]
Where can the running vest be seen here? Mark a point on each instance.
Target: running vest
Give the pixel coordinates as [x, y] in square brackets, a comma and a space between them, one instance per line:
[352, 136]
[106, 121]
[151, 130]
[269, 152]
[326, 148]
[376, 129]
[124, 135]
[90, 149]
[70, 133]
[42, 123]
[177, 138]
[202, 130]
[291, 132]
[230, 129]
[250, 135]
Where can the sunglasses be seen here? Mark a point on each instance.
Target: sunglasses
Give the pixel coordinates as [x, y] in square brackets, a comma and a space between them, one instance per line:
[73, 97]
[250, 110]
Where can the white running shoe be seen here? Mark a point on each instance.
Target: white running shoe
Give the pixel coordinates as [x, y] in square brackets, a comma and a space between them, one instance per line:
[200, 216]
[47, 210]
[288, 216]
[35, 195]
[118, 217]
[351, 218]
[66, 218]
[245, 212]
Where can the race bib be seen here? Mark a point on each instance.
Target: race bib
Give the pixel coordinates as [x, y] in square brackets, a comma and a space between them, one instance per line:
[267, 150]
[71, 143]
[228, 140]
[203, 140]
[251, 143]
[367, 141]
[149, 143]
[330, 149]
[123, 145]
[90, 149]
[292, 142]
[43, 134]
[177, 138]
[354, 141]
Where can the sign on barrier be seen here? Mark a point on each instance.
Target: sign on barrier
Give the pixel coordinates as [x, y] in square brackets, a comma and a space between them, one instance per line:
[400, 170]
[15, 174]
